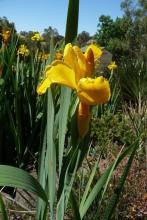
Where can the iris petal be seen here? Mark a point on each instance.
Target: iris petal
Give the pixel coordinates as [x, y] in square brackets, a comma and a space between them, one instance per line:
[70, 57]
[74, 57]
[97, 52]
[59, 73]
[93, 91]
[90, 63]
[81, 70]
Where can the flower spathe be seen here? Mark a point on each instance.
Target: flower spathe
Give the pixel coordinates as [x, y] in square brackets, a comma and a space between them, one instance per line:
[76, 71]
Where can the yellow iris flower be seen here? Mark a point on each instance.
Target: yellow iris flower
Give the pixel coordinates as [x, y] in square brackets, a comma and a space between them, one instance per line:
[112, 66]
[37, 37]
[43, 56]
[23, 51]
[76, 71]
[6, 36]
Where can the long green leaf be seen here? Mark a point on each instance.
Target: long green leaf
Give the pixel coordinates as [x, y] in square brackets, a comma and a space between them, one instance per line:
[110, 175]
[70, 177]
[67, 185]
[60, 207]
[63, 117]
[88, 186]
[50, 159]
[72, 21]
[115, 197]
[41, 206]
[101, 182]
[15, 177]
[75, 206]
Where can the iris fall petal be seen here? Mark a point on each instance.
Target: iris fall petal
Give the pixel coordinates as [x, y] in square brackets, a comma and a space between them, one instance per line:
[93, 91]
[59, 73]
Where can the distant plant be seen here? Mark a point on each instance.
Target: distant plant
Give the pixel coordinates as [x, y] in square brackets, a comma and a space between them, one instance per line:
[132, 78]
[110, 132]
[83, 38]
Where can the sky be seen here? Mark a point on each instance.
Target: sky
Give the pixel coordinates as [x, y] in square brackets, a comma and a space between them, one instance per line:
[36, 15]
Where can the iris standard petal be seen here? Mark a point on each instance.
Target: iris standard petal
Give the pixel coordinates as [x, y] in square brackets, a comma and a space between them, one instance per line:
[97, 52]
[81, 70]
[83, 117]
[93, 91]
[90, 63]
[70, 57]
[59, 73]
[74, 57]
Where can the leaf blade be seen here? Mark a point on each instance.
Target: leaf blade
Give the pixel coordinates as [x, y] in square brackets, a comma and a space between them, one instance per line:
[15, 177]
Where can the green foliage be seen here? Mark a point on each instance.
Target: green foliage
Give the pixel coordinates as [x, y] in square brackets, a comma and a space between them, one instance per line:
[111, 132]
[44, 45]
[5, 24]
[83, 38]
[19, 107]
[115, 196]
[112, 34]
[47, 34]
[128, 6]
[118, 35]
[104, 29]
[132, 77]
[21, 179]
[136, 13]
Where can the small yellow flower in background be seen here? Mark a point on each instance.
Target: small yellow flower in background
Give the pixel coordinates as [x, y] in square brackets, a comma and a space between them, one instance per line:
[6, 35]
[37, 37]
[46, 56]
[59, 56]
[23, 51]
[76, 71]
[112, 66]
[43, 56]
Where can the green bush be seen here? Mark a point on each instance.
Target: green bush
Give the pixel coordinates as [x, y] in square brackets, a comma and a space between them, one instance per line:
[110, 132]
